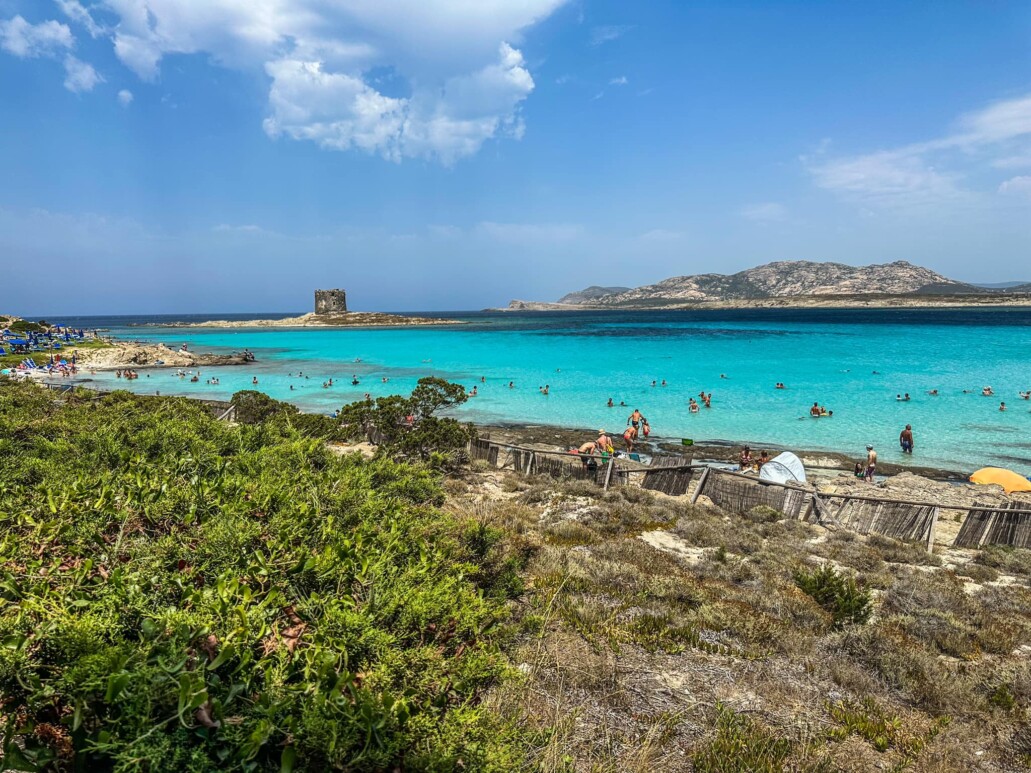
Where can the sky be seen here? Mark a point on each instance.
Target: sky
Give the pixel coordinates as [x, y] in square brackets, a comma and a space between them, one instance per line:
[164, 156]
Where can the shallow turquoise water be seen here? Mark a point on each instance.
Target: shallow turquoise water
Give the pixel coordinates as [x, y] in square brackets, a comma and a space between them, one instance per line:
[827, 356]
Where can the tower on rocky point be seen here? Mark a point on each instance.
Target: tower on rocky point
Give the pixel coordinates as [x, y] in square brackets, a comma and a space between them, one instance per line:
[330, 301]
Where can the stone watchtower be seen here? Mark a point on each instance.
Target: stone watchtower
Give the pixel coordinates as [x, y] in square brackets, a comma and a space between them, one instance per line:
[330, 301]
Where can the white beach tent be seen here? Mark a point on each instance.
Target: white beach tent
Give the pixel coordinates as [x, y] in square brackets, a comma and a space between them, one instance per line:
[783, 468]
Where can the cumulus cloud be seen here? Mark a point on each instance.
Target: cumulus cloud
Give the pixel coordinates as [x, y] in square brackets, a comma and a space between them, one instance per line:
[80, 76]
[48, 39]
[1016, 186]
[78, 13]
[28, 41]
[620, 81]
[935, 170]
[125, 97]
[461, 77]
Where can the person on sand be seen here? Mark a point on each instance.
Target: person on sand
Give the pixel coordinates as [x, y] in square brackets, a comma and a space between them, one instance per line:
[858, 471]
[586, 451]
[871, 463]
[604, 442]
[629, 437]
[745, 460]
[906, 439]
[763, 458]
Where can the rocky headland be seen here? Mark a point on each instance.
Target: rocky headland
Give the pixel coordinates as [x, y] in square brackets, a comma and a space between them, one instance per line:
[794, 284]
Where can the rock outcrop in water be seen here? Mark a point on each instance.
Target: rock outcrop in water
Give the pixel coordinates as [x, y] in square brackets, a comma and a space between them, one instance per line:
[795, 283]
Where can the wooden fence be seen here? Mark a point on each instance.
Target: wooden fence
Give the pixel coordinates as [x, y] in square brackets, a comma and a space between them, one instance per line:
[738, 493]
[906, 521]
[1005, 524]
[672, 475]
[604, 471]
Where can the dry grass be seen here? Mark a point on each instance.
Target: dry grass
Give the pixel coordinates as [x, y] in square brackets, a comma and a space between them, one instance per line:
[634, 658]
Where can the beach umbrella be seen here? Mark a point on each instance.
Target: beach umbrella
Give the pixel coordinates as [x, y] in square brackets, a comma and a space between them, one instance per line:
[1009, 480]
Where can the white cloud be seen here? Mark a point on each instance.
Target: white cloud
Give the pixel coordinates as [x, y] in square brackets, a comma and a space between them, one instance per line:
[125, 97]
[608, 33]
[766, 212]
[462, 77]
[936, 170]
[620, 81]
[1016, 186]
[28, 41]
[78, 13]
[80, 76]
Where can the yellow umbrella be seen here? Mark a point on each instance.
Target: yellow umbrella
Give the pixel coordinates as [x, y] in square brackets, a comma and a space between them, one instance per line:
[1009, 480]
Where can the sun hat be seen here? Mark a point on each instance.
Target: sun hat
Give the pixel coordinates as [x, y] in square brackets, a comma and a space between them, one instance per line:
[869, 447]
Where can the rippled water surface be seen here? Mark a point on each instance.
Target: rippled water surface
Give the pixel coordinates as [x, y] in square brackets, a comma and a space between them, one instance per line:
[853, 362]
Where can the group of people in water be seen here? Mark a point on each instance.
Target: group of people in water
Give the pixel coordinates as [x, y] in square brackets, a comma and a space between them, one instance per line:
[128, 374]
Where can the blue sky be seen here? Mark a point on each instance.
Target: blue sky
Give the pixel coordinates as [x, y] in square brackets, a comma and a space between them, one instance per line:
[217, 155]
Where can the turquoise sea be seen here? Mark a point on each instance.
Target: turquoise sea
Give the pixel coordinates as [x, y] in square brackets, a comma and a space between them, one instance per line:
[854, 362]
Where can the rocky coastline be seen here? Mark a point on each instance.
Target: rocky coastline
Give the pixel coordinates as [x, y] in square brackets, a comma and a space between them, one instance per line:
[124, 354]
[311, 319]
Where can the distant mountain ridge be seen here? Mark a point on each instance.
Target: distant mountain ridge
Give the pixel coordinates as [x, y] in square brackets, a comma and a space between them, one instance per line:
[592, 293]
[799, 279]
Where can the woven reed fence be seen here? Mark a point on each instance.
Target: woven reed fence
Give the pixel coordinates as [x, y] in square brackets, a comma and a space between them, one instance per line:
[672, 476]
[907, 521]
[737, 493]
[563, 466]
[1005, 524]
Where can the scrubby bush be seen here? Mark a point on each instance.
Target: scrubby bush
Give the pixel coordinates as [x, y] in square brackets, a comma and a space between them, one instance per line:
[183, 594]
[837, 593]
[407, 427]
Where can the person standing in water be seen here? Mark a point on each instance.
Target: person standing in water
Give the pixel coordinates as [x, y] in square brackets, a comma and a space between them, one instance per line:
[906, 439]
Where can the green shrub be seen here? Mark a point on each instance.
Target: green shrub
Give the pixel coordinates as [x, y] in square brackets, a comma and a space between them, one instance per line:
[741, 745]
[838, 594]
[179, 593]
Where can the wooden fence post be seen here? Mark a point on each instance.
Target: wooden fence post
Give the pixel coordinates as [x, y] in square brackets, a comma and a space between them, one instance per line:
[608, 473]
[930, 533]
[701, 485]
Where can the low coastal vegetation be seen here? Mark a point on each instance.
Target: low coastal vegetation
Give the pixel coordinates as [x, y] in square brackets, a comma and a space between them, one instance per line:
[180, 593]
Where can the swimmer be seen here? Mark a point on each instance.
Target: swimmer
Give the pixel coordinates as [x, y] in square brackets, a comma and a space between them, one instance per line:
[254, 380]
[611, 404]
[1002, 406]
[511, 385]
[473, 393]
[663, 382]
[654, 382]
[933, 393]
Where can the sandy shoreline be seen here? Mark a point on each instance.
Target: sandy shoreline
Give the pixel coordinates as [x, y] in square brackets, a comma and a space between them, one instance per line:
[829, 462]
[347, 319]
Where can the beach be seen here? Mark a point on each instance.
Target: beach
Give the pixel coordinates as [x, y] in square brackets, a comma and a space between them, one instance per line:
[853, 363]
